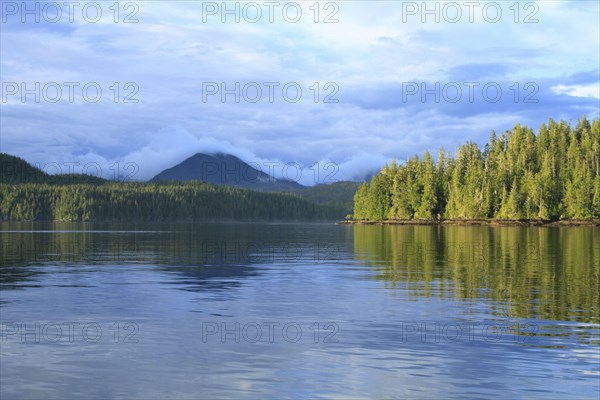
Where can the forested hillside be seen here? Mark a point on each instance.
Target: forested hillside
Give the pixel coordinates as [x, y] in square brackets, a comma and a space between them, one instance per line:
[192, 201]
[16, 170]
[517, 175]
[337, 194]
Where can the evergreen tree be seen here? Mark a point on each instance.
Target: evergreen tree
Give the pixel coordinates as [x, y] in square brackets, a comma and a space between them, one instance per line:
[519, 175]
[428, 202]
[361, 205]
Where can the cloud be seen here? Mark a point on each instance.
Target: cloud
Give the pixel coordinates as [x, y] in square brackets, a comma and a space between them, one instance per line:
[592, 90]
[165, 60]
[169, 146]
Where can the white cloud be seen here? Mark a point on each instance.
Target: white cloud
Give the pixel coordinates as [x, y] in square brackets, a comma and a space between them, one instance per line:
[170, 52]
[592, 90]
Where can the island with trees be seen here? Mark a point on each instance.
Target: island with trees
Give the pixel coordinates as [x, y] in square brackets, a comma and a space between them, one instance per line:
[519, 176]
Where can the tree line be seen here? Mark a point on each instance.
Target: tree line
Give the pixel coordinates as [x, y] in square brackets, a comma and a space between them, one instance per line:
[518, 175]
[133, 201]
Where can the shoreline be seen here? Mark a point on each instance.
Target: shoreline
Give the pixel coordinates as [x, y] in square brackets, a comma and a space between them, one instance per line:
[475, 222]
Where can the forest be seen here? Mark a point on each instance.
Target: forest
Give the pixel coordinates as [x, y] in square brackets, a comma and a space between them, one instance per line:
[29, 194]
[168, 201]
[518, 175]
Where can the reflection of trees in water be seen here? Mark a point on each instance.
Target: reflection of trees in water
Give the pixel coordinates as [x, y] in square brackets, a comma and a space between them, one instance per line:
[551, 273]
[198, 255]
[195, 254]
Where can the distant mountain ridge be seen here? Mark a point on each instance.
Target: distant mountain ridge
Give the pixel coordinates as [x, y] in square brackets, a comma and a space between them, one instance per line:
[219, 168]
[224, 169]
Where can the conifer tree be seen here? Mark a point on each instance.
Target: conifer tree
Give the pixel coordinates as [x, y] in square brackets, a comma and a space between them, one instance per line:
[519, 175]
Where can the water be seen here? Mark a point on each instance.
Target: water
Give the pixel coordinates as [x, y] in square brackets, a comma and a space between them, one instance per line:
[298, 310]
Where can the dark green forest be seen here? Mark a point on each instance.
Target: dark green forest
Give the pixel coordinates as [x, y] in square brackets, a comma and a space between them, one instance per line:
[114, 201]
[518, 175]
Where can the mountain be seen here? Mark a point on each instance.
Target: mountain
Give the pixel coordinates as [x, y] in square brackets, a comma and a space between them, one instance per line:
[16, 170]
[224, 169]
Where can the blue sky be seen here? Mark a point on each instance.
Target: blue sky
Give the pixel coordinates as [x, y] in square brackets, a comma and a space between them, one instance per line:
[398, 81]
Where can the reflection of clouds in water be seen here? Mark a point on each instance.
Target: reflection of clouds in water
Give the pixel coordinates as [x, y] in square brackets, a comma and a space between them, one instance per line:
[378, 351]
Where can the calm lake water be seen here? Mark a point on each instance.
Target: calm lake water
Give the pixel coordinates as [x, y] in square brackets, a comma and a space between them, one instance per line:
[155, 311]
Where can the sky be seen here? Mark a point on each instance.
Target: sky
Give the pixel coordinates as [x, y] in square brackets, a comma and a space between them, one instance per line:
[310, 91]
